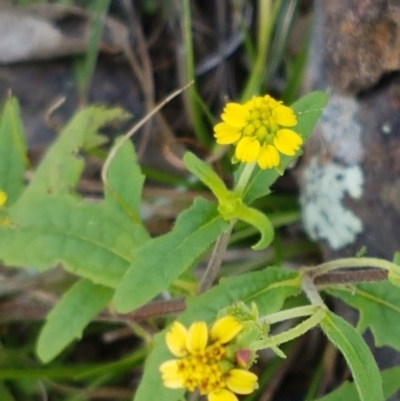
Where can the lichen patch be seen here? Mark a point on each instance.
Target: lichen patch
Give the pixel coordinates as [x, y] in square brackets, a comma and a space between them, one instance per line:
[339, 127]
[324, 188]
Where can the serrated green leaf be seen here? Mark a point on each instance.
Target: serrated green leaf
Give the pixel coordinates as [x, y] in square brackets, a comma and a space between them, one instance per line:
[125, 181]
[66, 321]
[162, 260]
[379, 306]
[13, 159]
[91, 240]
[308, 110]
[358, 356]
[267, 288]
[61, 167]
[348, 391]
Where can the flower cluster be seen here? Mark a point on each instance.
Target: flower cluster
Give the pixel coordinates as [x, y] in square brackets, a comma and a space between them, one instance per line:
[205, 361]
[260, 129]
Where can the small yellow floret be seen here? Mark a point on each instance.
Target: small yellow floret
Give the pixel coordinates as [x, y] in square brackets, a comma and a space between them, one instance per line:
[225, 329]
[205, 364]
[241, 381]
[260, 129]
[176, 339]
[3, 198]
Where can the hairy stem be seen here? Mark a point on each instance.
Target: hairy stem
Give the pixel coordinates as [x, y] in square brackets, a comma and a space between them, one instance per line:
[293, 333]
[289, 314]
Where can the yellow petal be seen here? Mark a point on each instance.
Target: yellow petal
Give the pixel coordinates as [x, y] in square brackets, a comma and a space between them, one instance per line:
[247, 149]
[287, 141]
[176, 339]
[271, 102]
[222, 395]
[285, 116]
[225, 329]
[226, 134]
[235, 114]
[268, 157]
[241, 381]
[3, 198]
[170, 375]
[197, 338]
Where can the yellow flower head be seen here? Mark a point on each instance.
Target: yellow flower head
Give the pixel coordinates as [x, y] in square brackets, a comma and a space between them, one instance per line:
[3, 198]
[260, 129]
[204, 361]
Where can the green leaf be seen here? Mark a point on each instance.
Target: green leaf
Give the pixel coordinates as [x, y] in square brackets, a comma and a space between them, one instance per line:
[91, 240]
[85, 64]
[267, 288]
[379, 306]
[162, 260]
[125, 181]
[366, 374]
[308, 110]
[206, 175]
[260, 221]
[61, 167]
[78, 306]
[348, 391]
[13, 159]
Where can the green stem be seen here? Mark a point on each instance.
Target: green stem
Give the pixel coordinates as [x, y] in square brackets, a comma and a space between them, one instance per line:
[266, 20]
[191, 96]
[293, 333]
[244, 178]
[289, 314]
[352, 263]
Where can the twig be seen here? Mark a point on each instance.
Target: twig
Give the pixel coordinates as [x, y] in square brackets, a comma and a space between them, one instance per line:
[352, 277]
[215, 261]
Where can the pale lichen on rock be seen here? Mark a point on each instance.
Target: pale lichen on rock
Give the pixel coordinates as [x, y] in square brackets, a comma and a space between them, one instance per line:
[325, 217]
[333, 173]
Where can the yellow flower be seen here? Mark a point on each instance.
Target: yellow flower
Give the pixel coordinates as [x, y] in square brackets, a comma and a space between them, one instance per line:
[260, 129]
[3, 198]
[204, 362]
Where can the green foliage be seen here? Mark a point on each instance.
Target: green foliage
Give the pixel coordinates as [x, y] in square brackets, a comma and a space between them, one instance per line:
[13, 159]
[62, 166]
[207, 175]
[358, 356]
[79, 305]
[348, 391]
[5, 394]
[379, 307]
[90, 240]
[268, 289]
[125, 182]
[85, 65]
[162, 260]
[230, 205]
